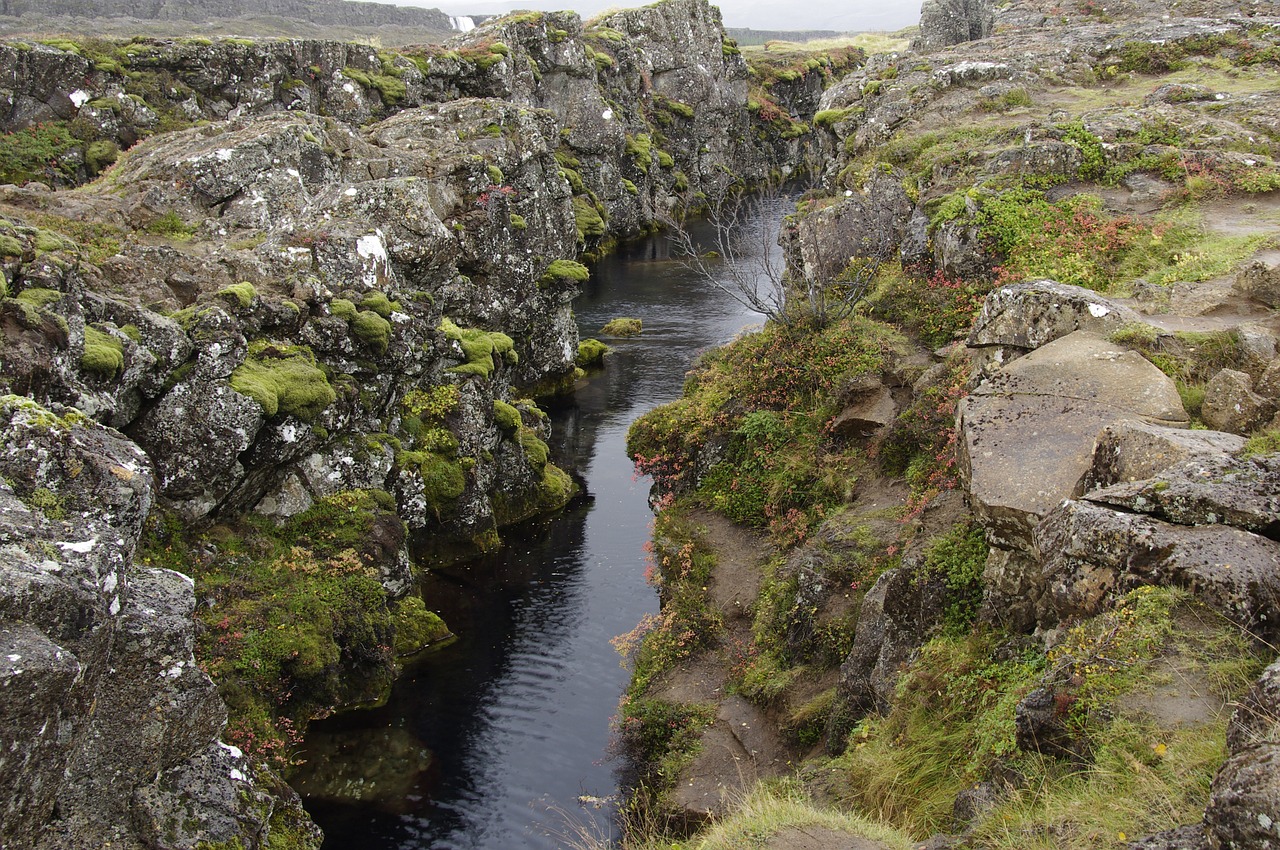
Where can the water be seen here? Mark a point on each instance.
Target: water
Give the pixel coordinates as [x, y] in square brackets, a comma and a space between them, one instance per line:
[492, 742]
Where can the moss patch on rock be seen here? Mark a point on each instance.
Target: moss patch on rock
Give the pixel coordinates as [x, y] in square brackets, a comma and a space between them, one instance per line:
[103, 355]
[591, 354]
[622, 327]
[480, 348]
[284, 380]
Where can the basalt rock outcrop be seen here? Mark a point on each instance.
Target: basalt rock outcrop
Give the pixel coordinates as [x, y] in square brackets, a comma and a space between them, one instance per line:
[103, 701]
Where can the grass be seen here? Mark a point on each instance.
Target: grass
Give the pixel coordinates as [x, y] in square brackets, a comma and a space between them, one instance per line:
[953, 722]
[772, 808]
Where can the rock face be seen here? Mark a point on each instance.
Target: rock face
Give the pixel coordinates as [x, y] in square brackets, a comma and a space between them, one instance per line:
[1244, 802]
[81, 627]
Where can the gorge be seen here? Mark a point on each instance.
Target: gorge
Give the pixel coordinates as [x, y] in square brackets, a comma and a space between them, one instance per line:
[975, 545]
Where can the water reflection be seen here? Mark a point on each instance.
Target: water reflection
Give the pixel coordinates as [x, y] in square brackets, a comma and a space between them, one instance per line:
[515, 714]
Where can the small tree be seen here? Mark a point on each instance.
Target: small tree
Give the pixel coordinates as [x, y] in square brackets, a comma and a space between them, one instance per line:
[801, 286]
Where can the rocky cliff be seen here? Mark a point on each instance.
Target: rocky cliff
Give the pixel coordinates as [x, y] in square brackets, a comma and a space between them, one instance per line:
[296, 330]
[1014, 521]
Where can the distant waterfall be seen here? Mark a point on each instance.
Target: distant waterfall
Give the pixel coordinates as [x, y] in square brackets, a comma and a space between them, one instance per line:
[462, 24]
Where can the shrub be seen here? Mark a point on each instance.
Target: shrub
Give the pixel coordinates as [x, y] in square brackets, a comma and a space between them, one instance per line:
[38, 153]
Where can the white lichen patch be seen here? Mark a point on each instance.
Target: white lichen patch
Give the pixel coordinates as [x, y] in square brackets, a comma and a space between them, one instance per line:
[78, 98]
[80, 548]
[1098, 310]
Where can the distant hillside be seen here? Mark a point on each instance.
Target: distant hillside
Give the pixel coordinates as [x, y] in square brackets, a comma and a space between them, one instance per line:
[747, 37]
[330, 12]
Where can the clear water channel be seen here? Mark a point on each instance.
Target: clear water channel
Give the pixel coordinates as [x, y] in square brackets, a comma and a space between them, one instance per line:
[501, 739]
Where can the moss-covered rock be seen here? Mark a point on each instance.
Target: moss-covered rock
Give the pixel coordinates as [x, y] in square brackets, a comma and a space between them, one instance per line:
[284, 380]
[591, 354]
[622, 327]
[103, 354]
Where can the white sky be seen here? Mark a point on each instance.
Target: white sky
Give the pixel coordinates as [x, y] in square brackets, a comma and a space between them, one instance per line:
[847, 16]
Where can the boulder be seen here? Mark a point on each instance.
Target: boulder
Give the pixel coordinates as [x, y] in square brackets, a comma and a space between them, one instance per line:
[1230, 404]
[1131, 451]
[1190, 837]
[1011, 584]
[1256, 720]
[947, 22]
[739, 748]
[1091, 553]
[1042, 413]
[866, 414]
[1022, 317]
[1244, 800]
[215, 799]
[1207, 490]
[1260, 282]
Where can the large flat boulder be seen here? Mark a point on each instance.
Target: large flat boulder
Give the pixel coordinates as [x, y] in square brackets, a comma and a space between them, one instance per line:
[1244, 493]
[1026, 436]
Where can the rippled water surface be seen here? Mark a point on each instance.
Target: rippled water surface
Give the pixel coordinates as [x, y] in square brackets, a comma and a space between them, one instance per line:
[492, 741]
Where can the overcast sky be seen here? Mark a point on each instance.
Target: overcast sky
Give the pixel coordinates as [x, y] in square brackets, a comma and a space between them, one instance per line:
[847, 16]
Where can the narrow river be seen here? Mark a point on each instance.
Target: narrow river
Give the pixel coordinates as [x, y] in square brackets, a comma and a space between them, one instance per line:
[501, 739]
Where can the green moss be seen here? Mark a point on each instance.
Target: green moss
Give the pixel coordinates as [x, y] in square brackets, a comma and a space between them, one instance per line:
[552, 492]
[495, 175]
[372, 330]
[284, 380]
[665, 159]
[241, 293]
[343, 309]
[631, 187]
[518, 222]
[640, 149]
[443, 479]
[379, 303]
[535, 450]
[587, 218]
[103, 354]
[591, 354]
[49, 242]
[479, 347]
[506, 416]
[39, 297]
[297, 621]
[10, 246]
[1262, 443]
[564, 270]
[416, 628]
[831, 117]
[622, 327]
